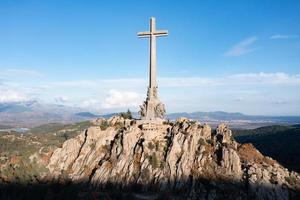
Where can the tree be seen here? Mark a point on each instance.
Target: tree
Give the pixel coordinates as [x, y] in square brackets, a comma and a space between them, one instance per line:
[126, 115]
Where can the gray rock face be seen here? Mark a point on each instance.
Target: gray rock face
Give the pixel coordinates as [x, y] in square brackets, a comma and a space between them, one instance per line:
[184, 156]
[152, 109]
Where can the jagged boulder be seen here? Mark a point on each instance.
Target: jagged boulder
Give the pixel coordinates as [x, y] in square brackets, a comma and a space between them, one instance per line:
[116, 120]
[183, 156]
[98, 121]
[223, 133]
[63, 158]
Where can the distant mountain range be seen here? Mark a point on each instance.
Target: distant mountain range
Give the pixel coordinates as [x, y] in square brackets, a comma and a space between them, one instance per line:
[87, 114]
[219, 115]
[33, 113]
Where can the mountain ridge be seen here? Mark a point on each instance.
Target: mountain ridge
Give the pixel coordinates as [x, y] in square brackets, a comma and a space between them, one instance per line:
[33, 113]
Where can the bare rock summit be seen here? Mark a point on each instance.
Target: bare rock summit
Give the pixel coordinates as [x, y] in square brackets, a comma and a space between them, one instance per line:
[180, 160]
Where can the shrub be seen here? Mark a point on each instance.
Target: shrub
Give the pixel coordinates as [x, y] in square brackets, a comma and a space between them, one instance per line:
[151, 146]
[104, 125]
[166, 122]
[93, 145]
[119, 126]
[192, 122]
[156, 145]
[291, 180]
[209, 141]
[201, 141]
[145, 174]
[126, 115]
[153, 161]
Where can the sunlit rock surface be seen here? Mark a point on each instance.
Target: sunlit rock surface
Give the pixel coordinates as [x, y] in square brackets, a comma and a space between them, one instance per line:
[171, 157]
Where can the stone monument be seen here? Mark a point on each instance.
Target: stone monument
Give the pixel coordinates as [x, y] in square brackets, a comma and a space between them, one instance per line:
[152, 110]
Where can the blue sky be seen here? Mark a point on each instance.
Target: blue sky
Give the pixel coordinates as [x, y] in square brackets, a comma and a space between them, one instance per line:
[234, 56]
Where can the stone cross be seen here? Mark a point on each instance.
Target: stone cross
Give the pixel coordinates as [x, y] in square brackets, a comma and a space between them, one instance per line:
[152, 110]
[152, 34]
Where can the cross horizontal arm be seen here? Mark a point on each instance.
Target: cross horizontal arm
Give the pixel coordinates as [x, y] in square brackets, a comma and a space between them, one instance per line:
[144, 34]
[161, 33]
[157, 33]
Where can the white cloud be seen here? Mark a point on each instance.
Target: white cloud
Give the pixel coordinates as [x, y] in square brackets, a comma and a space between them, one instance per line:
[115, 99]
[239, 99]
[213, 92]
[260, 78]
[121, 99]
[61, 99]
[24, 72]
[11, 96]
[281, 102]
[68, 84]
[101, 83]
[91, 103]
[279, 36]
[182, 82]
[242, 47]
[185, 81]
[263, 78]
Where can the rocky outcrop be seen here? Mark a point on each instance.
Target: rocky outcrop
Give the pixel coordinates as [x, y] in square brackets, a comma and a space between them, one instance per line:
[172, 157]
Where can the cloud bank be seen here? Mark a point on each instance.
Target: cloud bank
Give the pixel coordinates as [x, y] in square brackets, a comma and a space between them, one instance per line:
[121, 99]
[22, 72]
[247, 92]
[11, 96]
[280, 36]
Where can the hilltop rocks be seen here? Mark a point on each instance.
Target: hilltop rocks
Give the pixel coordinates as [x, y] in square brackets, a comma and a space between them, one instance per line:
[98, 121]
[223, 134]
[184, 156]
[263, 174]
[63, 157]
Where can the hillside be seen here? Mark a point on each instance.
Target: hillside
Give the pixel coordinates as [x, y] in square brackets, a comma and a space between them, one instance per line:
[280, 142]
[120, 158]
[24, 156]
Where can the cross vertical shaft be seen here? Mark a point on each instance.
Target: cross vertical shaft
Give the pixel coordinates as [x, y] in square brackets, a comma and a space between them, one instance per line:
[152, 34]
[152, 78]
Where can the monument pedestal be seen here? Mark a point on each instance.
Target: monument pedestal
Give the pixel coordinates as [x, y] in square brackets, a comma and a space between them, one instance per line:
[152, 110]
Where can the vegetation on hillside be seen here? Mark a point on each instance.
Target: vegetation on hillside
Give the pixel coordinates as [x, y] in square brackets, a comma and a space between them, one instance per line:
[279, 142]
[22, 156]
[2, 126]
[126, 115]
